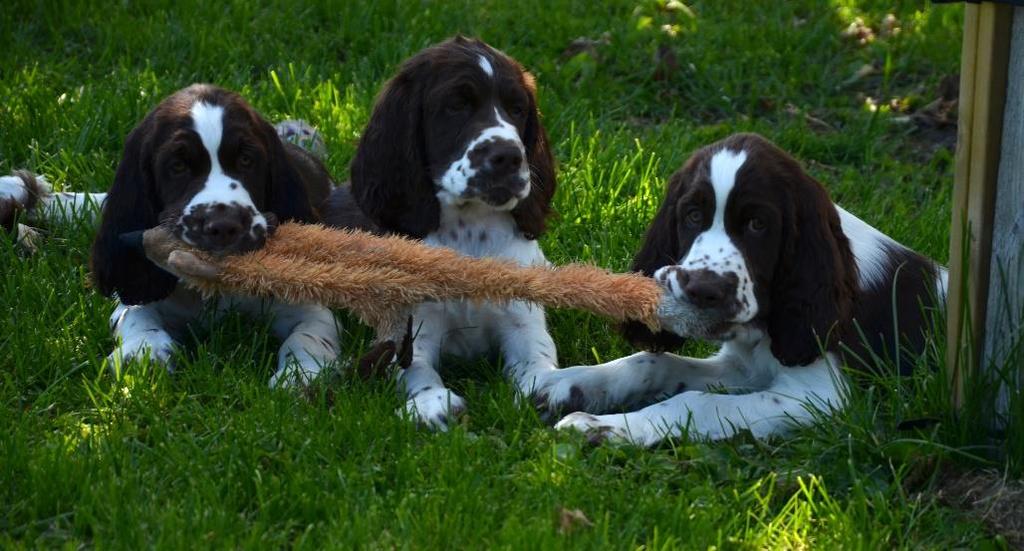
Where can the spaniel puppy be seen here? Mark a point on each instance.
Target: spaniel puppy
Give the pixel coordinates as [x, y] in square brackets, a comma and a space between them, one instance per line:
[205, 164]
[455, 154]
[753, 253]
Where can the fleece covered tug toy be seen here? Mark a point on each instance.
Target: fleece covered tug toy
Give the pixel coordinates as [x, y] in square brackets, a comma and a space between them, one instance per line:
[380, 279]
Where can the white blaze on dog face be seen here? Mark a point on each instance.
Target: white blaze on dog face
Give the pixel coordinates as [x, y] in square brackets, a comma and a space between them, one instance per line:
[713, 250]
[219, 189]
[485, 64]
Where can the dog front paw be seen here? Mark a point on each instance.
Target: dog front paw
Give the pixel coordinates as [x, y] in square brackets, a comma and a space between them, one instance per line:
[292, 376]
[581, 388]
[597, 428]
[158, 346]
[434, 408]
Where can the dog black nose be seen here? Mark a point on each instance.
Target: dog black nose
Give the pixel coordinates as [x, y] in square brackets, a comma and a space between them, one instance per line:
[706, 289]
[222, 227]
[503, 158]
[222, 232]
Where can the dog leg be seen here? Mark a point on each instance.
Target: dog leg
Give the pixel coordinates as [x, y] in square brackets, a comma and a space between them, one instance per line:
[795, 397]
[640, 379]
[527, 348]
[42, 205]
[140, 331]
[311, 343]
[427, 400]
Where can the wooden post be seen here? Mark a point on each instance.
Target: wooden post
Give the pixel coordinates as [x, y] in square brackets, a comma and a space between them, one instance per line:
[983, 95]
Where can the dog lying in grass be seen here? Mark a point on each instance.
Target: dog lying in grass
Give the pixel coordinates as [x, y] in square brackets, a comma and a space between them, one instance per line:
[753, 254]
[455, 154]
[206, 166]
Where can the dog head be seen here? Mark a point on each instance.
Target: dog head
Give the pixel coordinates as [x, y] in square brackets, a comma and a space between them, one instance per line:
[457, 125]
[205, 164]
[745, 236]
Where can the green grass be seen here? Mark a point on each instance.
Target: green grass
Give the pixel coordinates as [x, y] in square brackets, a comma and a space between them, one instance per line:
[211, 457]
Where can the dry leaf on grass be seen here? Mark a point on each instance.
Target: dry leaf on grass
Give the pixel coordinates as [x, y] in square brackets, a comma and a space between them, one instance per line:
[941, 112]
[571, 519]
[814, 123]
[935, 124]
[587, 45]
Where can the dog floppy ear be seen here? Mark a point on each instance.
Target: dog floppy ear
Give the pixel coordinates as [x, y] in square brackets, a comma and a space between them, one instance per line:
[131, 205]
[531, 213]
[660, 248]
[287, 195]
[815, 284]
[389, 173]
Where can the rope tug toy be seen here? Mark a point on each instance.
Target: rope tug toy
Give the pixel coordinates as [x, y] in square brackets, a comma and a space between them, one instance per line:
[381, 279]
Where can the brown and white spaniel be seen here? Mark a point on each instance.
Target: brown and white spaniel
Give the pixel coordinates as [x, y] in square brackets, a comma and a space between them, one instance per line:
[208, 166]
[753, 253]
[455, 154]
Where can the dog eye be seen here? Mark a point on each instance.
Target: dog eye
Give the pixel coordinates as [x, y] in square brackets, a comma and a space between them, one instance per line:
[694, 217]
[177, 167]
[516, 110]
[755, 225]
[244, 160]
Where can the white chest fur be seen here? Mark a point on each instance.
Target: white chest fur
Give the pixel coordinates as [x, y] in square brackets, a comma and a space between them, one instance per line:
[471, 329]
[479, 231]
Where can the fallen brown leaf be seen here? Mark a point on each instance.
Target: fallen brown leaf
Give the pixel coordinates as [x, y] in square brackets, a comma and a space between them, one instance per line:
[936, 123]
[586, 45]
[571, 519]
[814, 123]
